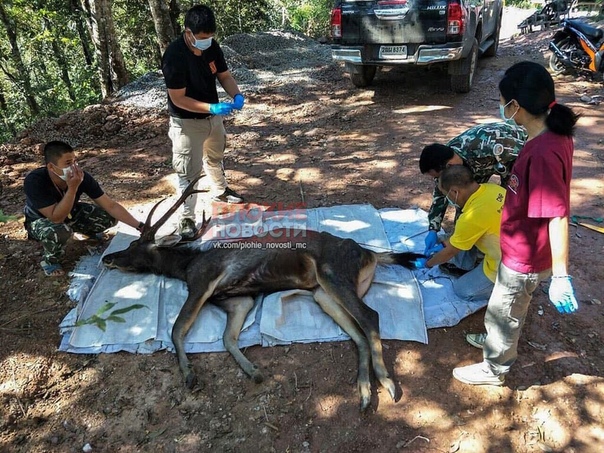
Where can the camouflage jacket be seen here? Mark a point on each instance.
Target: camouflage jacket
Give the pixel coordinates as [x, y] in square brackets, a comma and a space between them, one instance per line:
[475, 146]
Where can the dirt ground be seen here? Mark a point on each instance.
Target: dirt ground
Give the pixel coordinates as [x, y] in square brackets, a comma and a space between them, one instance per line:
[324, 145]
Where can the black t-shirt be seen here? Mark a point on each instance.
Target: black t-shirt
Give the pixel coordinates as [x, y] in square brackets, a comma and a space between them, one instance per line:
[40, 192]
[183, 69]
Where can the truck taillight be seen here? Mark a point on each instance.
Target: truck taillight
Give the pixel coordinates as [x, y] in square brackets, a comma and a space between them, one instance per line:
[336, 23]
[456, 16]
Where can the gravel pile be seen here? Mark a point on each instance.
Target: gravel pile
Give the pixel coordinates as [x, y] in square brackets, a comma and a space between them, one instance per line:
[148, 91]
[256, 60]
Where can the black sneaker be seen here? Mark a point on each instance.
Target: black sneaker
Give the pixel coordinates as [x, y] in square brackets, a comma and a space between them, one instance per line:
[187, 228]
[452, 269]
[228, 196]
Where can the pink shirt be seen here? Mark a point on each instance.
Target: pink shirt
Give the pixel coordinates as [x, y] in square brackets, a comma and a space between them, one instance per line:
[538, 190]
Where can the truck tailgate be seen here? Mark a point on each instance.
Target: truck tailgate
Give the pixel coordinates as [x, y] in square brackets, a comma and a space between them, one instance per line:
[394, 22]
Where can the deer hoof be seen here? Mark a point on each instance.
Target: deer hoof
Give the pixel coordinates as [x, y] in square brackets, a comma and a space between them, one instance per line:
[191, 381]
[365, 403]
[257, 377]
[389, 385]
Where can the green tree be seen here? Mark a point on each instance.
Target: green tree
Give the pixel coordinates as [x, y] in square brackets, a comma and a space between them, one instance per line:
[60, 55]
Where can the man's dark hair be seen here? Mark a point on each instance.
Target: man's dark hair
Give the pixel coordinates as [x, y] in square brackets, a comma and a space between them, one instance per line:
[435, 157]
[455, 175]
[54, 150]
[200, 19]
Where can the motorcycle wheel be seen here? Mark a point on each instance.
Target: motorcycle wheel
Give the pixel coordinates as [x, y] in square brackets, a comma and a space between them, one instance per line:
[555, 65]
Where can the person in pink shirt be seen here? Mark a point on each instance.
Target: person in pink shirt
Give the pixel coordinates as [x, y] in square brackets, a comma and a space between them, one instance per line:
[534, 224]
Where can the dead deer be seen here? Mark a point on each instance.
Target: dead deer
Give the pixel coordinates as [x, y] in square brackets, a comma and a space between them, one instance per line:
[338, 272]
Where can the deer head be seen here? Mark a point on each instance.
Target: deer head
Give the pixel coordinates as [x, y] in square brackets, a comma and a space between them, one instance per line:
[141, 254]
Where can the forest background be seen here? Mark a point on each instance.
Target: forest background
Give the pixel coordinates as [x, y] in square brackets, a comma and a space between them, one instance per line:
[62, 55]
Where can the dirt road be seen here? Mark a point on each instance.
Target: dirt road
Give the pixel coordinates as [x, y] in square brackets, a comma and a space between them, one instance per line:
[339, 145]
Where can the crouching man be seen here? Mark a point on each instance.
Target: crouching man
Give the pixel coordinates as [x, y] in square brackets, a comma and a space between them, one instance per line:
[478, 225]
[53, 211]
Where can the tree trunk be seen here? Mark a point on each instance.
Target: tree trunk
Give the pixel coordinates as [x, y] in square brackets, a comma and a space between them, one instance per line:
[174, 15]
[22, 80]
[75, 8]
[160, 12]
[61, 61]
[5, 113]
[112, 69]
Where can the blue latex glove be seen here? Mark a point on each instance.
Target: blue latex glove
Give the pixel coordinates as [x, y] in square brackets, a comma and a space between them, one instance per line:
[419, 263]
[434, 250]
[238, 101]
[222, 108]
[562, 294]
[430, 241]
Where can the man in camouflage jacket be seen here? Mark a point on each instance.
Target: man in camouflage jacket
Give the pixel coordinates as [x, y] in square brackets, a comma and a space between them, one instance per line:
[486, 149]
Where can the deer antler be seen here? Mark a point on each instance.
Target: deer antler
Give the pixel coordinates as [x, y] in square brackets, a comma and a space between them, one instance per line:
[202, 228]
[149, 230]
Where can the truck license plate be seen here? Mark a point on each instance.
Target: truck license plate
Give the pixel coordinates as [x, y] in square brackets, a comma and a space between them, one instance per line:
[393, 52]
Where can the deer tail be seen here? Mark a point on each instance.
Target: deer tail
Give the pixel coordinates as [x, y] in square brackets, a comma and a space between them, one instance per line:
[404, 259]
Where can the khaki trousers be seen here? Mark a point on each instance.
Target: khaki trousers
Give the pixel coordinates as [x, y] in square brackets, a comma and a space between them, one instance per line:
[198, 145]
[505, 316]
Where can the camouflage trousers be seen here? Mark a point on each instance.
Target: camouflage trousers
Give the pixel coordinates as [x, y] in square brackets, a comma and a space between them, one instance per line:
[88, 219]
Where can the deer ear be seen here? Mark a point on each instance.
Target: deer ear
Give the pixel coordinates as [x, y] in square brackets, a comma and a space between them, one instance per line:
[168, 241]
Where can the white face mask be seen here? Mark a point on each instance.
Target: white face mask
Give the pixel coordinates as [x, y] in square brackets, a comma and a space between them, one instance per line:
[201, 44]
[66, 172]
[509, 120]
[451, 202]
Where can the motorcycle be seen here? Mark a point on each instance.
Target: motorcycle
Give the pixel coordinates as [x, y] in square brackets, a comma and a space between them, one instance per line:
[578, 47]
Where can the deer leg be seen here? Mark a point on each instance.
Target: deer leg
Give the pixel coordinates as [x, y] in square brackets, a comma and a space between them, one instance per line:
[237, 309]
[343, 319]
[186, 317]
[366, 276]
[366, 317]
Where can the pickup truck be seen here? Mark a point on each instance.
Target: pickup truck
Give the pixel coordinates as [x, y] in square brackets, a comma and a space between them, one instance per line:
[371, 34]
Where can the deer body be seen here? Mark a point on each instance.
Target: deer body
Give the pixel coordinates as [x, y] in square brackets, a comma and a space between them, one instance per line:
[338, 272]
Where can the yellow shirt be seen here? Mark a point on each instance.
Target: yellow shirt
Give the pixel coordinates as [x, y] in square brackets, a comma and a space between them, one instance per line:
[478, 225]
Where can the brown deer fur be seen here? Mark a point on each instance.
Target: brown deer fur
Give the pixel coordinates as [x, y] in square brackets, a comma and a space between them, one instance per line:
[337, 271]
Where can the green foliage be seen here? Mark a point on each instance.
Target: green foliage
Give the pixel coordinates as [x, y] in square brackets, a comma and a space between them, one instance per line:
[42, 30]
[310, 17]
[6, 218]
[524, 4]
[49, 68]
[101, 322]
[136, 35]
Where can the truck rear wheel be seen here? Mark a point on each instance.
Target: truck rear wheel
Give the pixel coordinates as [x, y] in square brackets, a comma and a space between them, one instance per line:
[362, 75]
[462, 72]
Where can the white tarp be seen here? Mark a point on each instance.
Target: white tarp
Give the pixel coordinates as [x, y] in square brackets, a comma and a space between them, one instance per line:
[407, 305]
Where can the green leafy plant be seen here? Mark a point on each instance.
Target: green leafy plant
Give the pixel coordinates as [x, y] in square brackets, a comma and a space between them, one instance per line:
[101, 322]
[6, 218]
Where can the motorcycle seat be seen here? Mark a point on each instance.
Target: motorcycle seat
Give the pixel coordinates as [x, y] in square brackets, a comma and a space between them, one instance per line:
[592, 33]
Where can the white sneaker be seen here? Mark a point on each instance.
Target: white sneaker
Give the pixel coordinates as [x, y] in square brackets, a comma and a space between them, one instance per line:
[476, 339]
[477, 374]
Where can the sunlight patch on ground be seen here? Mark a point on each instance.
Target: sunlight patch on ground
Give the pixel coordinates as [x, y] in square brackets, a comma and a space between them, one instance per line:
[588, 121]
[429, 413]
[285, 174]
[410, 360]
[552, 425]
[309, 174]
[386, 164]
[587, 183]
[421, 109]
[329, 406]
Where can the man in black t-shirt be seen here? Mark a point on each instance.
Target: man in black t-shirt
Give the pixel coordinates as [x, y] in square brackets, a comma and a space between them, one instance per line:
[191, 64]
[53, 211]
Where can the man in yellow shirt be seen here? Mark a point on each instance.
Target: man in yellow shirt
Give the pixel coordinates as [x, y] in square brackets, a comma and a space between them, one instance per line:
[478, 225]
